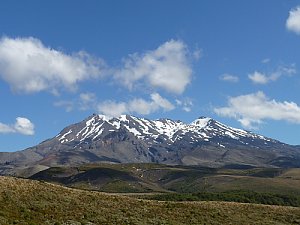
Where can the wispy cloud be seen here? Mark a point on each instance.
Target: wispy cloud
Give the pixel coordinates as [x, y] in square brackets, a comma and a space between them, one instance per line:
[22, 126]
[197, 54]
[252, 109]
[67, 105]
[137, 105]
[293, 21]
[87, 100]
[266, 60]
[166, 67]
[260, 78]
[229, 78]
[264, 78]
[29, 66]
[186, 104]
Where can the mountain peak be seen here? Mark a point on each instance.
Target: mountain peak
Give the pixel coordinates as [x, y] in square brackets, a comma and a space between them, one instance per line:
[203, 129]
[201, 122]
[103, 117]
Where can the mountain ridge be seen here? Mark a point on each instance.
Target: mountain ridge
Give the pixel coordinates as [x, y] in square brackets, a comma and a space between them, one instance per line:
[129, 139]
[163, 126]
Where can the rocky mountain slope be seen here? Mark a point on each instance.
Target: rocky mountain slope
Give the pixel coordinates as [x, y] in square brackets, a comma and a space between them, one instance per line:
[124, 139]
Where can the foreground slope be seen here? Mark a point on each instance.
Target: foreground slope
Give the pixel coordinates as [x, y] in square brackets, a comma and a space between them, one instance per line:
[128, 139]
[32, 202]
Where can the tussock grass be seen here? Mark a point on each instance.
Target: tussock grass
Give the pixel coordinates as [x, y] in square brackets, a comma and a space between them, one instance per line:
[34, 202]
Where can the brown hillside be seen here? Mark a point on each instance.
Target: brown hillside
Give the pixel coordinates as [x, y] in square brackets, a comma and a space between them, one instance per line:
[33, 202]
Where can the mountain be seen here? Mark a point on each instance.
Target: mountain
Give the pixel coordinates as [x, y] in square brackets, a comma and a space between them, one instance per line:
[125, 139]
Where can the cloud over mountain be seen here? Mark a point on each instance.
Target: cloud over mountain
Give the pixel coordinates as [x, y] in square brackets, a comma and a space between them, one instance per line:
[136, 105]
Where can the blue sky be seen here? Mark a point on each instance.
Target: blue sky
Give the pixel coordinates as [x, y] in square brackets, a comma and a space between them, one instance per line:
[235, 61]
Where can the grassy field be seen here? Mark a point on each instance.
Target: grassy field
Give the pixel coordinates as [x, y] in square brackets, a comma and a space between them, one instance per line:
[34, 202]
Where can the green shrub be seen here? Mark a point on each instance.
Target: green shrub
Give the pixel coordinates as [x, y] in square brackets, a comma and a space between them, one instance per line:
[232, 196]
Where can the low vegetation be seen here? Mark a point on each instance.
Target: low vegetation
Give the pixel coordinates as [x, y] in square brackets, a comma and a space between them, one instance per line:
[230, 196]
[180, 179]
[35, 202]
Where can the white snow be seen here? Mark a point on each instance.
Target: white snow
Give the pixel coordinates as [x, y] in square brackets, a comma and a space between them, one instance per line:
[201, 129]
[132, 130]
[116, 124]
[98, 133]
[231, 135]
[201, 122]
[64, 135]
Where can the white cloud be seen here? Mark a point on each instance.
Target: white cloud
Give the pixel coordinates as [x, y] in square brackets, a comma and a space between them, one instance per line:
[259, 78]
[167, 67]
[6, 129]
[138, 105]
[178, 102]
[68, 105]
[293, 21]
[229, 78]
[87, 97]
[22, 126]
[186, 104]
[186, 108]
[252, 109]
[160, 102]
[263, 78]
[197, 54]
[87, 101]
[29, 66]
[266, 60]
[112, 108]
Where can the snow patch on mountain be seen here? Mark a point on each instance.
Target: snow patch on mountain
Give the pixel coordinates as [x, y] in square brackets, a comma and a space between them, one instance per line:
[203, 129]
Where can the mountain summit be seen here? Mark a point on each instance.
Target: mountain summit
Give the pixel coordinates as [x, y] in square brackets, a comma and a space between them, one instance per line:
[127, 138]
[160, 132]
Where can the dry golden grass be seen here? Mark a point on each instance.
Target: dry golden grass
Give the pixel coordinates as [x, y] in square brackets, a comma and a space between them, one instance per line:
[293, 173]
[33, 202]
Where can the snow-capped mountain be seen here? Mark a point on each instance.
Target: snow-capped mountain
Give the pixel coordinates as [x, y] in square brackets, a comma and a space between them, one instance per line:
[126, 139]
[162, 131]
